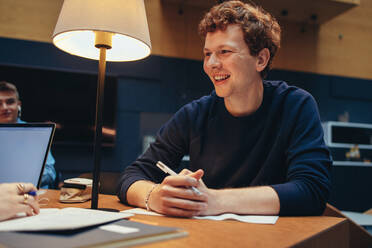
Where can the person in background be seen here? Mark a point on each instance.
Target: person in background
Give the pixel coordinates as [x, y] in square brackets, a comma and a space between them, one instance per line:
[10, 112]
[14, 200]
[255, 146]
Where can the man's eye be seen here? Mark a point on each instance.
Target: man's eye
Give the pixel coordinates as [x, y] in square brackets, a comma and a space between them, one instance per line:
[225, 51]
[10, 101]
[207, 54]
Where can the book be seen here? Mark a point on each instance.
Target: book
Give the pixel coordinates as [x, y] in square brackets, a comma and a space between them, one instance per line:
[122, 233]
[55, 219]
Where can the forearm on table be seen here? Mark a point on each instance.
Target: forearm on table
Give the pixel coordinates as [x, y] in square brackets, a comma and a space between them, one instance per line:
[137, 192]
[250, 200]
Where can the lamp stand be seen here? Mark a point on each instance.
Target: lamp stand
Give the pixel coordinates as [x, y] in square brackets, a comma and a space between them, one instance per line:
[103, 42]
[103, 21]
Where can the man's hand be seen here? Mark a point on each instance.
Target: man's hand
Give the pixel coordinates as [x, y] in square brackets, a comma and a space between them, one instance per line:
[248, 200]
[212, 199]
[174, 196]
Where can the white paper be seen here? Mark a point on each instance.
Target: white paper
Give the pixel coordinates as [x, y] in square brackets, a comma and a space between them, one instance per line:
[61, 219]
[257, 219]
[119, 229]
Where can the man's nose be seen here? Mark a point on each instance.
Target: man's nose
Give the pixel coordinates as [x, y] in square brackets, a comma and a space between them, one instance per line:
[214, 61]
[3, 105]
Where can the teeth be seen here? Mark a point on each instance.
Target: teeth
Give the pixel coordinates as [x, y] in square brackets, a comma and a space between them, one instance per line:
[221, 77]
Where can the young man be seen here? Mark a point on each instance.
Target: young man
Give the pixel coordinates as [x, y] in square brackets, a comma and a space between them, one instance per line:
[9, 103]
[10, 112]
[255, 146]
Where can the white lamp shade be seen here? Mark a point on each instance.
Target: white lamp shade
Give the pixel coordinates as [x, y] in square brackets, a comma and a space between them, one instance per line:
[126, 19]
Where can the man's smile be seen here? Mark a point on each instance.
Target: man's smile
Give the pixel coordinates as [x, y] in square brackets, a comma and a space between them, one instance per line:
[220, 78]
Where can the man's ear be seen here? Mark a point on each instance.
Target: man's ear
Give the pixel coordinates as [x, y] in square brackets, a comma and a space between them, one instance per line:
[19, 109]
[263, 58]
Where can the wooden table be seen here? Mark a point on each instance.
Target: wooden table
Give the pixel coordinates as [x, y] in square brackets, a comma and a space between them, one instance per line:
[318, 231]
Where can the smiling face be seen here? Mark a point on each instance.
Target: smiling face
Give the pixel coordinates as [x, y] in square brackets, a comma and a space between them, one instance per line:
[228, 62]
[8, 107]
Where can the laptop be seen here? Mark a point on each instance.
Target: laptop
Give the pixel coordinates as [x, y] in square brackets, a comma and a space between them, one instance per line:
[23, 151]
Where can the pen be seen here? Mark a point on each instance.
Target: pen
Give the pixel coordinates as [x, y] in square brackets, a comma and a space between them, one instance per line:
[169, 171]
[35, 193]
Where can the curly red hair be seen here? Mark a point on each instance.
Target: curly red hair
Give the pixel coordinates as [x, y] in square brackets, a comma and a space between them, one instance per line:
[260, 29]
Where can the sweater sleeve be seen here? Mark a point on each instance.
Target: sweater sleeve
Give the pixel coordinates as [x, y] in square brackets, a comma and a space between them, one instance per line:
[49, 174]
[307, 187]
[170, 146]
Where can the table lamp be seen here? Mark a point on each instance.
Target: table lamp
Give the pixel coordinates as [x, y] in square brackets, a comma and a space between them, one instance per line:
[104, 30]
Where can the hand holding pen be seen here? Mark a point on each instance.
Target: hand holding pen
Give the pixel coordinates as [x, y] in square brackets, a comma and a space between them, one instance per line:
[16, 198]
[169, 171]
[177, 194]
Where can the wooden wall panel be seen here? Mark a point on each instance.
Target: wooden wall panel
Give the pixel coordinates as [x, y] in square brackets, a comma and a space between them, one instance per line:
[173, 29]
[350, 55]
[29, 20]
[340, 46]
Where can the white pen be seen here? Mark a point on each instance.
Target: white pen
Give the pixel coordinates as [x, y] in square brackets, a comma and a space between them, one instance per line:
[166, 169]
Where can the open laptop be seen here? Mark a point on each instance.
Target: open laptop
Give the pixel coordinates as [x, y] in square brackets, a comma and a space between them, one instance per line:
[23, 151]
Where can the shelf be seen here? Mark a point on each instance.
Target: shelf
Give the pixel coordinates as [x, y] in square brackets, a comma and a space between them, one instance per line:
[313, 12]
[341, 145]
[347, 134]
[351, 163]
[349, 124]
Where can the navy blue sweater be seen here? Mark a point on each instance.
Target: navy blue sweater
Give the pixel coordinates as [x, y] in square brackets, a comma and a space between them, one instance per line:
[280, 145]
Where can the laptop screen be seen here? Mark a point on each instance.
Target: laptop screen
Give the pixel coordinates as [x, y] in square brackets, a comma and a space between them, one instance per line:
[23, 151]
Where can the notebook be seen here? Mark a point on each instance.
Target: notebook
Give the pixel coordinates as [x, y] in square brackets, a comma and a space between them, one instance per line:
[122, 233]
[23, 151]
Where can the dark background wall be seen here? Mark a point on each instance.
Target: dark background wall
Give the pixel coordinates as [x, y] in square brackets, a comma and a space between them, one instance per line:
[161, 85]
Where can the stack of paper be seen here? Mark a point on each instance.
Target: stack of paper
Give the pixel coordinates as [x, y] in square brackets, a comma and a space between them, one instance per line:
[51, 219]
[76, 227]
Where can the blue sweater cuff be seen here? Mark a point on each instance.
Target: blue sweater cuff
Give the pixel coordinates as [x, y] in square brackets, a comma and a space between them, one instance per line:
[295, 201]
